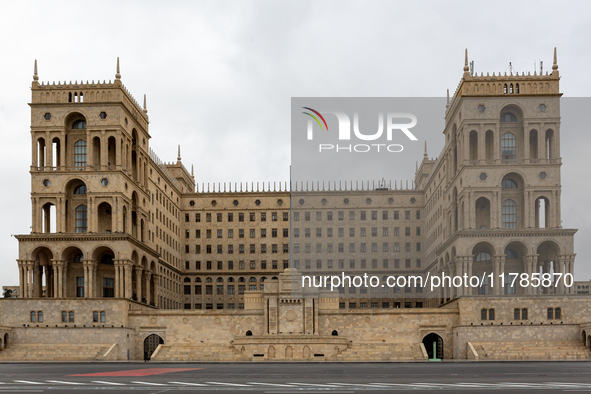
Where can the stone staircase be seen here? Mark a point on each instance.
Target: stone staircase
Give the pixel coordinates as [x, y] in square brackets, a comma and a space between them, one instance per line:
[531, 350]
[53, 352]
[381, 352]
[198, 353]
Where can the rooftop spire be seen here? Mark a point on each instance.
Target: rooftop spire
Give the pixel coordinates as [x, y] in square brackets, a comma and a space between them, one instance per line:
[425, 154]
[118, 75]
[192, 173]
[555, 64]
[36, 77]
[466, 67]
[145, 107]
[179, 155]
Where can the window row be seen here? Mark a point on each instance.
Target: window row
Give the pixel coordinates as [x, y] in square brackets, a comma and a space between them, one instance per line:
[219, 306]
[352, 247]
[220, 289]
[376, 305]
[208, 265]
[352, 264]
[241, 249]
[68, 316]
[521, 314]
[362, 232]
[363, 215]
[241, 233]
[240, 217]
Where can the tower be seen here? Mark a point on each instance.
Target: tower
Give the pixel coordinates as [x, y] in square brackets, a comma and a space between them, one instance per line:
[494, 200]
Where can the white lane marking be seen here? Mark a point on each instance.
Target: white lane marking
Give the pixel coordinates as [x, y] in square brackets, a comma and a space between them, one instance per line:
[62, 382]
[229, 384]
[25, 381]
[113, 383]
[360, 384]
[190, 384]
[315, 384]
[273, 384]
[149, 383]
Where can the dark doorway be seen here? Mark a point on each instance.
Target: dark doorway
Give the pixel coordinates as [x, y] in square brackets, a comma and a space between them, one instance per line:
[428, 342]
[150, 344]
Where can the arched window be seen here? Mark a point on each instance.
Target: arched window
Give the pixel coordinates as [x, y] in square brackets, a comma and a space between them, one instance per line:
[103, 317]
[508, 117]
[81, 219]
[509, 214]
[557, 313]
[241, 279]
[33, 317]
[220, 280]
[509, 184]
[186, 280]
[483, 314]
[80, 189]
[508, 147]
[252, 279]
[79, 124]
[80, 153]
[198, 280]
[491, 314]
[107, 259]
[511, 89]
[230, 280]
[516, 314]
[517, 88]
[208, 280]
[78, 258]
[248, 333]
[505, 88]
[335, 333]
[510, 254]
[524, 314]
[483, 256]
[550, 313]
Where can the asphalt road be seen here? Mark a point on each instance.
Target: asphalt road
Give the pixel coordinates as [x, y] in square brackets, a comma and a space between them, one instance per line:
[282, 378]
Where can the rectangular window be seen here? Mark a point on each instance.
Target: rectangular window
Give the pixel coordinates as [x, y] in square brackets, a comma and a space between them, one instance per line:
[351, 263]
[352, 247]
[219, 248]
[198, 290]
[219, 233]
[208, 217]
[329, 248]
[374, 247]
[198, 217]
[418, 263]
[208, 265]
[418, 246]
[197, 233]
[241, 248]
[230, 265]
[341, 232]
[319, 216]
[230, 217]
[385, 263]
[263, 233]
[285, 248]
[219, 217]
[252, 217]
[362, 215]
[407, 247]
[274, 248]
[341, 264]
[319, 232]
[263, 248]
[285, 232]
[230, 290]
[79, 286]
[274, 216]
[418, 231]
[374, 215]
[385, 215]
[396, 215]
[363, 263]
[263, 216]
[307, 233]
[407, 263]
[296, 232]
[318, 248]
[187, 289]
[396, 231]
[351, 232]
[374, 231]
[385, 231]
[319, 264]
[418, 213]
[351, 215]
[79, 153]
[253, 265]
[81, 219]
[241, 217]
[220, 265]
[296, 248]
[263, 264]
[252, 248]
[385, 247]
[186, 217]
[252, 233]
[198, 265]
[362, 247]
[285, 216]
[230, 249]
[329, 263]
[341, 215]
[219, 289]
[396, 263]
[198, 306]
[208, 289]
[407, 215]
[231, 305]
[274, 233]
[274, 264]
[241, 233]
[187, 233]
[241, 289]
[108, 287]
[328, 215]
[208, 234]
[230, 233]
[329, 232]
[407, 231]
[341, 248]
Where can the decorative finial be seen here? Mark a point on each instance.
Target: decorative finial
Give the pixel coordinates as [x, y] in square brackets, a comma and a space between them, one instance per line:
[192, 173]
[36, 77]
[555, 64]
[448, 96]
[425, 154]
[466, 67]
[145, 106]
[118, 75]
[179, 155]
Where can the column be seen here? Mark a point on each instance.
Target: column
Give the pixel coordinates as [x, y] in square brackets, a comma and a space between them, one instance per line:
[138, 282]
[147, 274]
[93, 284]
[469, 262]
[64, 279]
[34, 155]
[21, 277]
[557, 210]
[63, 150]
[118, 151]
[49, 152]
[128, 281]
[156, 278]
[542, 144]
[89, 266]
[496, 271]
[30, 279]
[104, 150]
[91, 216]
[89, 151]
[34, 214]
[526, 147]
[531, 261]
[117, 264]
[497, 144]
[481, 146]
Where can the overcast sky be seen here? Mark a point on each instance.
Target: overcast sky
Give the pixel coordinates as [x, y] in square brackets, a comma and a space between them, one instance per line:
[219, 76]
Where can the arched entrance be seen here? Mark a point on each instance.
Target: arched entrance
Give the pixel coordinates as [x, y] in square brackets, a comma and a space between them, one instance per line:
[151, 343]
[433, 342]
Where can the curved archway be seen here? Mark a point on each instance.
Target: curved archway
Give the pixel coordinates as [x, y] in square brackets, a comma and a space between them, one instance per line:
[104, 277]
[5, 340]
[483, 213]
[150, 344]
[45, 273]
[74, 284]
[248, 333]
[335, 333]
[434, 346]
[482, 253]
[105, 218]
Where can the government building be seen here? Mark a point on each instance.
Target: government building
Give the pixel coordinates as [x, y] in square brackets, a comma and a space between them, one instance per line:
[129, 255]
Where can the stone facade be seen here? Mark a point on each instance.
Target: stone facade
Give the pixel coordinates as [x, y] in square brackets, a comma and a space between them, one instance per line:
[137, 258]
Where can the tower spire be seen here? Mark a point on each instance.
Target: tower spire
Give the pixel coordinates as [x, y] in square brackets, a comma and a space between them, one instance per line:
[118, 75]
[466, 67]
[192, 173]
[425, 154]
[555, 64]
[145, 106]
[36, 77]
[179, 155]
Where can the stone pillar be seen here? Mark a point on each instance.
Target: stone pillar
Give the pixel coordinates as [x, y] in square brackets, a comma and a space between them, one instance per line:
[526, 152]
[104, 150]
[156, 288]
[118, 151]
[128, 282]
[21, 277]
[89, 269]
[34, 155]
[64, 280]
[497, 144]
[496, 271]
[63, 150]
[138, 282]
[531, 262]
[91, 215]
[118, 278]
[62, 215]
[481, 146]
[89, 151]
[147, 277]
[542, 145]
